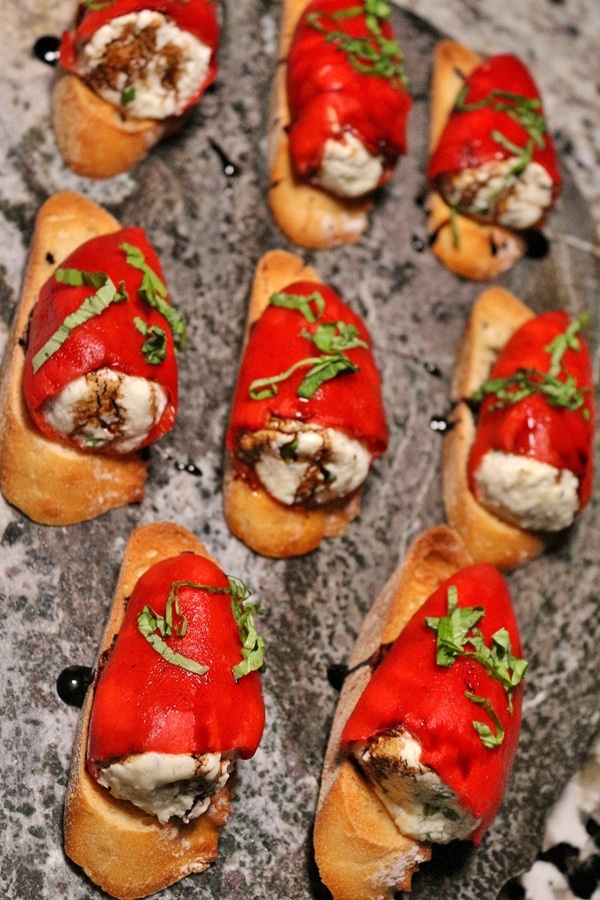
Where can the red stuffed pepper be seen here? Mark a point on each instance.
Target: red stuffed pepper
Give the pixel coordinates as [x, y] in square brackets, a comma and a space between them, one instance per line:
[179, 698]
[307, 417]
[348, 99]
[100, 371]
[495, 159]
[149, 58]
[437, 727]
[532, 461]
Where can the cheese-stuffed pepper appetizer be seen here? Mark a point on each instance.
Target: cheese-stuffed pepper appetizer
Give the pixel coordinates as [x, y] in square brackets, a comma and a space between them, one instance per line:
[492, 159]
[339, 123]
[175, 702]
[90, 374]
[427, 732]
[307, 418]
[523, 431]
[129, 71]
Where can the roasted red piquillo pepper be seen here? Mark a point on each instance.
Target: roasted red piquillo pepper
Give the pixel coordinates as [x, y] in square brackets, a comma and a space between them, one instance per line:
[198, 17]
[539, 400]
[453, 681]
[346, 74]
[105, 306]
[309, 360]
[183, 675]
[497, 116]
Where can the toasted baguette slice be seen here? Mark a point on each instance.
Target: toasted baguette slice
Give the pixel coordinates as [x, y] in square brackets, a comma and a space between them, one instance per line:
[51, 483]
[124, 850]
[468, 248]
[495, 316]
[266, 526]
[94, 140]
[307, 215]
[360, 853]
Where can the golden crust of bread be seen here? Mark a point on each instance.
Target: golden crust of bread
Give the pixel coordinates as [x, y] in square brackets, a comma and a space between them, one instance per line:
[51, 483]
[495, 316]
[263, 524]
[307, 215]
[477, 251]
[94, 140]
[125, 851]
[360, 853]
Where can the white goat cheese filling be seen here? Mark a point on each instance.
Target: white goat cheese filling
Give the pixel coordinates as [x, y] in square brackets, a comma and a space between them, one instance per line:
[166, 785]
[531, 494]
[419, 802]
[499, 192]
[106, 409]
[145, 64]
[306, 465]
[347, 168]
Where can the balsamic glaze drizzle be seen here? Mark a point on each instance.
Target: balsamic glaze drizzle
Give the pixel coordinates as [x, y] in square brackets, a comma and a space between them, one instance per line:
[230, 169]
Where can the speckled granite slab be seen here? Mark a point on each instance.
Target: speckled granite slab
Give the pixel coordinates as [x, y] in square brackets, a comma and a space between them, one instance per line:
[56, 584]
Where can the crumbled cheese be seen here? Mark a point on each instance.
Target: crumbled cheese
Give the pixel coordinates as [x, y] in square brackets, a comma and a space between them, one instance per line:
[498, 192]
[107, 409]
[531, 494]
[306, 465]
[167, 785]
[347, 168]
[145, 64]
[420, 803]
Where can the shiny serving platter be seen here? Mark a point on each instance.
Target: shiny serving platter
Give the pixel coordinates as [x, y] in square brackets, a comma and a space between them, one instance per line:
[210, 224]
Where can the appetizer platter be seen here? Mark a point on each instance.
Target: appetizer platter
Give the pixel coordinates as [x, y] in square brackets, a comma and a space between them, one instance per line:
[201, 197]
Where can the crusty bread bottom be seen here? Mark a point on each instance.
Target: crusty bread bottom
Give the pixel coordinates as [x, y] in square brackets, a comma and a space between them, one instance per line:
[495, 316]
[125, 851]
[51, 483]
[360, 853]
[94, 140]
[266, 526]
[468, 248]
[307, 215]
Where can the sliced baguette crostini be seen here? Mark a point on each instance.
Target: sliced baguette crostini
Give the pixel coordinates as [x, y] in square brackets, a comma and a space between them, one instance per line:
[128, 852]
[252, 514]
[309, 215]
[101, 138]
[51, 483]
[495, 317]
[474, 250]
[362, 854]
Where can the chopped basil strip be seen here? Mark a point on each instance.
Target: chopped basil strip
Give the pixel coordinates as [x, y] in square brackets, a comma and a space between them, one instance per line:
[92, 306]
[154, 628]
[373, 55]
[252, 643]
[128, 96]
[332, 338]
[488, 738]
[301, 303]
[559, 392]
[154, 348]
[154, 293]
[457, 630]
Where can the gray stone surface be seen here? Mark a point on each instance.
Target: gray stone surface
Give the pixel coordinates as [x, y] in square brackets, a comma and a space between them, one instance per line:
[55, 584]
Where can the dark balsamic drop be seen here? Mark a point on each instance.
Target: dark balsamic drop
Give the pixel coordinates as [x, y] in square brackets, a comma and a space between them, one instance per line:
[336, 675]
[538, 245]
[440, 424]
[417, 243]
[189, 467]
[72, 684]
[230, 169]
[432, 369]
[47, 49]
